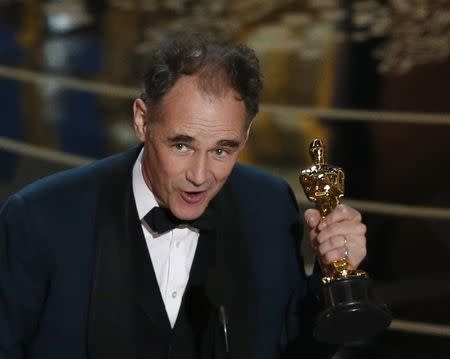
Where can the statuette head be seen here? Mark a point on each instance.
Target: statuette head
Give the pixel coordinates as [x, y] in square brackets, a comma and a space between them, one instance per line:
[317, 152]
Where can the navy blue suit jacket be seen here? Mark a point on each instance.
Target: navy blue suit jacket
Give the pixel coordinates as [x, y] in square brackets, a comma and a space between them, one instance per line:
[48, 256]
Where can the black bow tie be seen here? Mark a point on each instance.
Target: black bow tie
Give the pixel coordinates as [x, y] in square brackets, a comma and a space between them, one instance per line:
[161, 220]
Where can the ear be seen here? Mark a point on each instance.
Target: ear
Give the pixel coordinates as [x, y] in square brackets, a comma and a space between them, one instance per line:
[140, 119]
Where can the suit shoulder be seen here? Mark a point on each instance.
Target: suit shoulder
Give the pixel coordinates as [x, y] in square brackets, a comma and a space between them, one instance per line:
[253, 185]
[81, 179]
[255, 178]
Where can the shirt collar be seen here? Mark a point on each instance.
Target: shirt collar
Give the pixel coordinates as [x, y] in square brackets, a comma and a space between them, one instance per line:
[143, 196]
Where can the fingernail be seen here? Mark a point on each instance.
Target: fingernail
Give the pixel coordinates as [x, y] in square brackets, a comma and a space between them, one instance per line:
[309, 221]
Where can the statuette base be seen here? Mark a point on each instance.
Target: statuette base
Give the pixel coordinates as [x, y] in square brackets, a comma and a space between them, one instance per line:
[351, 312]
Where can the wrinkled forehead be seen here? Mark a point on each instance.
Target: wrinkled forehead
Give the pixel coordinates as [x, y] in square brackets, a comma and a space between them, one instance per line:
[188, 103]
[210, 85]
[190, 90]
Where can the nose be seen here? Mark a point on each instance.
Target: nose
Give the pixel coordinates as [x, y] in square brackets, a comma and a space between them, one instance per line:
[197, 172]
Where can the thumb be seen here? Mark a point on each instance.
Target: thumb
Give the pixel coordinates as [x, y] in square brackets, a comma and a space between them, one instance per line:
[312, 217]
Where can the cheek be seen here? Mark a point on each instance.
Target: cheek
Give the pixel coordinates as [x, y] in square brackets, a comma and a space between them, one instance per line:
[171, 169]
[161, 165]
[222, 171]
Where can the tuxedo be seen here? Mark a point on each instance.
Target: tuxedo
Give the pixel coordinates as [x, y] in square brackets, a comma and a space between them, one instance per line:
[76, 279]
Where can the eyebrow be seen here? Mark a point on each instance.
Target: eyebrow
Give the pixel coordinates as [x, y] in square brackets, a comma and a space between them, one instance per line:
[181, 138]
[190, 139]
[228, 143]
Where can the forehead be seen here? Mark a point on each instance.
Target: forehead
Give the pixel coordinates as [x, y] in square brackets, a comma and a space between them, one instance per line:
[187, 107]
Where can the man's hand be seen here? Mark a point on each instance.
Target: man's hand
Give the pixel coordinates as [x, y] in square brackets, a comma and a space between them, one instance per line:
[338, 235]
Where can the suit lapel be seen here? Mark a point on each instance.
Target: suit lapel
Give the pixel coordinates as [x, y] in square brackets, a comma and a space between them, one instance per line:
[220, 276]
[111, 276]
[232, 275]
[124, 282]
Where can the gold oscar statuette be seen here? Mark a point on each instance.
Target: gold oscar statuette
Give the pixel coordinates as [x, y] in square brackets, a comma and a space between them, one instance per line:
[351, 311]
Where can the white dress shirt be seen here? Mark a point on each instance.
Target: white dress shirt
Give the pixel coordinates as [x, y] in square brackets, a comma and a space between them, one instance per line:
[171, 253]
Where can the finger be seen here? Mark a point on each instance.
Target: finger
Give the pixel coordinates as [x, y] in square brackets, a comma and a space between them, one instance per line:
[355, 243]
[345, 228]
[353, 248]
[357, 251]
[312, 217]
[332, 243]
[334, 255]
[341, 213]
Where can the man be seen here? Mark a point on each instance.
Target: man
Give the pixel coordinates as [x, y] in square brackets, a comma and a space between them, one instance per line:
[170, 250]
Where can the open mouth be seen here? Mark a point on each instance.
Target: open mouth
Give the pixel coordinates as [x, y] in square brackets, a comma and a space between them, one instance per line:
[193, 197]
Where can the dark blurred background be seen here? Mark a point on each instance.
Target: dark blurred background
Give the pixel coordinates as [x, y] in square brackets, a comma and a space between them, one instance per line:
[371, 78]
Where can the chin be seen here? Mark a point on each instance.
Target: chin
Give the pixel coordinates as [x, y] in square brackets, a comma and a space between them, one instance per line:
[189, 212]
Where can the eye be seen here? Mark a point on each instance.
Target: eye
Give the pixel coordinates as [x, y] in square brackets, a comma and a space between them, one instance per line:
[221, 152]
[181, 147]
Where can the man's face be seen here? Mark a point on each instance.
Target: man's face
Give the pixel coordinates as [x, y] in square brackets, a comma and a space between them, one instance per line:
[192, 147]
